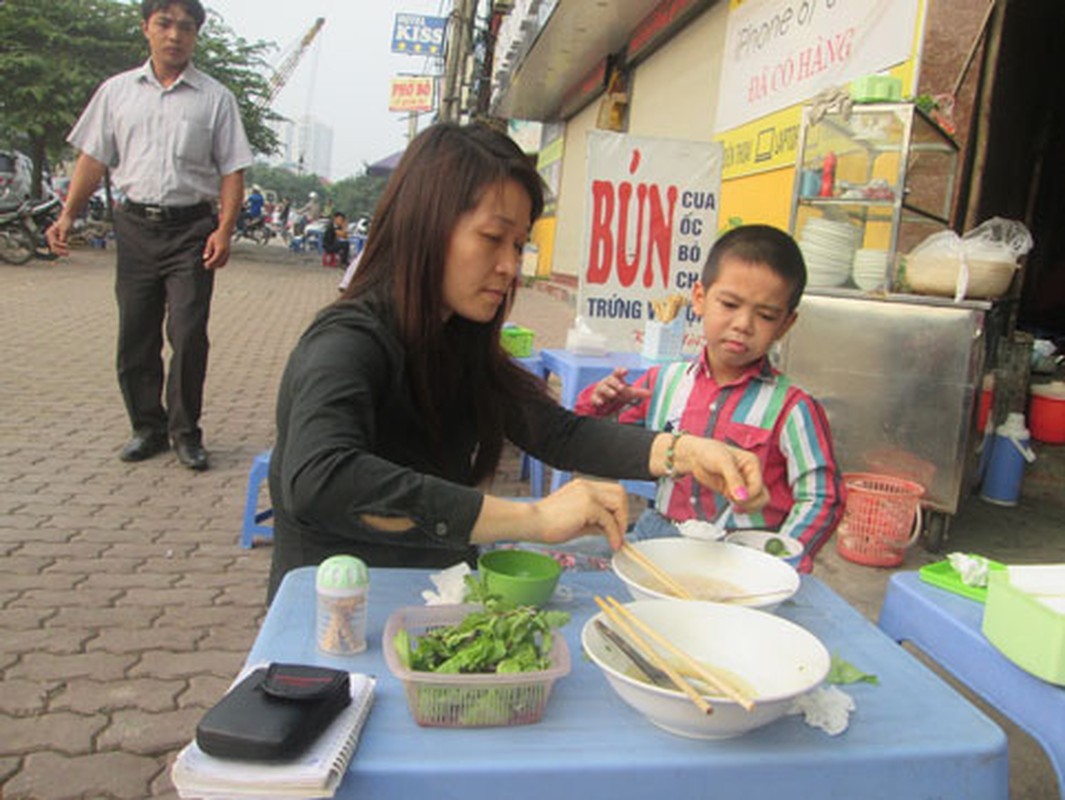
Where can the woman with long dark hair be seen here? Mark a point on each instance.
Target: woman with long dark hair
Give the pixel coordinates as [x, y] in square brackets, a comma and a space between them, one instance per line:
[396, 401]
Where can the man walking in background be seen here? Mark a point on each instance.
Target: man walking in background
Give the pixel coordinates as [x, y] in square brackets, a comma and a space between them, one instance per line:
[175, 143]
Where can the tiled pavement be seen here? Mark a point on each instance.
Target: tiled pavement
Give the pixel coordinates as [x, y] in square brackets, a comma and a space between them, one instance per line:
[126, 604]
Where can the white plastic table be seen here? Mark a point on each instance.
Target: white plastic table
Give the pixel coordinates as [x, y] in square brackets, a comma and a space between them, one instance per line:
[912, 736]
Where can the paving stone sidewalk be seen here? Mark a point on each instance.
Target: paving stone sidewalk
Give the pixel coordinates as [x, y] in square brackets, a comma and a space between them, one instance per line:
[126, 603]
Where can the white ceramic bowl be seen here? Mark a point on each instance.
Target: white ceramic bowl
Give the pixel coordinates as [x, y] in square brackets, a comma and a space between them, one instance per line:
[776, 659]
[710, 570]
[758, 540]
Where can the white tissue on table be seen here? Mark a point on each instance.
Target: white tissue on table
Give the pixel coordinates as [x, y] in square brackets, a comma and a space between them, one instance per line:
[1045, 582]
[827, 708]
[698, 529]
[582, 339]
[450, 586]
[971, 569]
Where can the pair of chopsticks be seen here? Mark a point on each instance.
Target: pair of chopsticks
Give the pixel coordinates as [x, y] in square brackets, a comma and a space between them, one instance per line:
[671, 583]
[636, 630]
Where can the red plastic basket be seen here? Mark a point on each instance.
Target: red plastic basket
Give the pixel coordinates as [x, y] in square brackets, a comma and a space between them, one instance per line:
[882, 518]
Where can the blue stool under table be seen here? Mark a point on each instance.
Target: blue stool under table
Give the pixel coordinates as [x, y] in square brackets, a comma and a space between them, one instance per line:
[253, 518]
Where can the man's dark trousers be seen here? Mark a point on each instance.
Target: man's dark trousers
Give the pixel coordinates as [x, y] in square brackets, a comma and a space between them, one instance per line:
[160, 275]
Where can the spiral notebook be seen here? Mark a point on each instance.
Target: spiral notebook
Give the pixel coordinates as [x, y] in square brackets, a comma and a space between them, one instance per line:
[316, 773]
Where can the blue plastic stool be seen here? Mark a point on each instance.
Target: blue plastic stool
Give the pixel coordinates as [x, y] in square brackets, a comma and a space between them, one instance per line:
[253, 518]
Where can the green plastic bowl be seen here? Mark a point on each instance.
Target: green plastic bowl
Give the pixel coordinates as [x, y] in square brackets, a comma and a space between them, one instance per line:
[521, 577]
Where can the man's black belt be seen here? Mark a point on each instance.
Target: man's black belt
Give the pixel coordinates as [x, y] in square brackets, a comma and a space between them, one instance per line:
[169, 213]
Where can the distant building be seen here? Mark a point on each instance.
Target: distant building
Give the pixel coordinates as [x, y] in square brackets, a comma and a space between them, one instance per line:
[305, 146]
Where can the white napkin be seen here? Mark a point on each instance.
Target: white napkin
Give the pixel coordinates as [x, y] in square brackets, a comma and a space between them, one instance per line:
[971, 569]
[450, 586]
[1045, 582]
[697, 529]
[827, 708]
[582, 339]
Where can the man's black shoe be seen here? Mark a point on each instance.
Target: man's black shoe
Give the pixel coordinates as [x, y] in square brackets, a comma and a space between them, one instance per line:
[143, 446]
[191, 455]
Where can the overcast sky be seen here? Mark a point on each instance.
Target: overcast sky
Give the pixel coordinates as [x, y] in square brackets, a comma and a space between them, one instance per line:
[343, 78]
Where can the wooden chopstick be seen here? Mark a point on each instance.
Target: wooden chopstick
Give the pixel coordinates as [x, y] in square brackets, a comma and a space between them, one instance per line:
[652, 655]
[664, 577]
[717, 682]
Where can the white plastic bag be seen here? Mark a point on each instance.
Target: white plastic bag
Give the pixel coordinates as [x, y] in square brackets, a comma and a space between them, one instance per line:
[998, 239]
[995, 240]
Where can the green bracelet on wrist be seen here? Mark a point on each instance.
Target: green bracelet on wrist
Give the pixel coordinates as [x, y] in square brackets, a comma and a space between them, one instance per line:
[671, 453]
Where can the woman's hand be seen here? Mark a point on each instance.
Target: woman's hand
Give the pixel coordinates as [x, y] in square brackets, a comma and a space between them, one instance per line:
[612, 393]
[580, 507]
[727, 470]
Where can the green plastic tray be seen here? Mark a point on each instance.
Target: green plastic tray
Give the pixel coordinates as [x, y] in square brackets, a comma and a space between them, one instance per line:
[943, 575]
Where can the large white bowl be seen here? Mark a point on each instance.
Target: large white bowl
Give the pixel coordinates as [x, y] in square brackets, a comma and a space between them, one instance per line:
[776, 659]
[698, 564]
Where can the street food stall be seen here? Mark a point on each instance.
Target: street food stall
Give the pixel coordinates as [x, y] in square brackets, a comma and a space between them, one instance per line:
[899, 322]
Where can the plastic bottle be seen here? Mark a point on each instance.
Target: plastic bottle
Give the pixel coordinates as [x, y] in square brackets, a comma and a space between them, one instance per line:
[342, 584]
[828, 174]
[1010, 451]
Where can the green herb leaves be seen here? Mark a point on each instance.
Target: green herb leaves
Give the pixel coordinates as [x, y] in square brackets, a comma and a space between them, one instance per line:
[500, 639]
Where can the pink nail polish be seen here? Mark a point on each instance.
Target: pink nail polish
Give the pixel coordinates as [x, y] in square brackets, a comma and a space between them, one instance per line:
[741, 493]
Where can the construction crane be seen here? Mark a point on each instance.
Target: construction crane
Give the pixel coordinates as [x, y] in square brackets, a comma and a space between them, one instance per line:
[288, 65]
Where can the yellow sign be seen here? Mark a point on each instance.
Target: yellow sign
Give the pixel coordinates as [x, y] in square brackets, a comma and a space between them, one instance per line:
[411, 94]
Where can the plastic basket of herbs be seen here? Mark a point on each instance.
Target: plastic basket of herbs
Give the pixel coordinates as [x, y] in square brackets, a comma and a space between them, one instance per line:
[441, 654]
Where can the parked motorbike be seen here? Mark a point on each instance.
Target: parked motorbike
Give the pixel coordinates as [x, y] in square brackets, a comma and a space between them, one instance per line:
[22, 230]
[257, 229]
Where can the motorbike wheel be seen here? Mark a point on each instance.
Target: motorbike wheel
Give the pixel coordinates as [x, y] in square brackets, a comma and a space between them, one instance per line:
[16, 246]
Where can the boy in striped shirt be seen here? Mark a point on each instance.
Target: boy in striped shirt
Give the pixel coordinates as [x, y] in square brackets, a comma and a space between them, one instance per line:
[747, 296]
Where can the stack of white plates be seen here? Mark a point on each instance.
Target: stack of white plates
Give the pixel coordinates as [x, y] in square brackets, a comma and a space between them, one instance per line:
[828, 249]
[870, 269]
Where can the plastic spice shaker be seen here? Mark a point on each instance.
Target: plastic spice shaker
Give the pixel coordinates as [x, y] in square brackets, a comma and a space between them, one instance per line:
[342, 584]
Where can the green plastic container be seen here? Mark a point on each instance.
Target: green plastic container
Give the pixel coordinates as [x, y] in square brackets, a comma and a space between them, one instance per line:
[522, 577]
[943, 575]
[876, 89]
[517, 341]
[1028, 632]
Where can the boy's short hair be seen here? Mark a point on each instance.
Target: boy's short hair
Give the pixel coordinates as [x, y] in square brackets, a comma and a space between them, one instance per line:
[760, 244]
[193, 7]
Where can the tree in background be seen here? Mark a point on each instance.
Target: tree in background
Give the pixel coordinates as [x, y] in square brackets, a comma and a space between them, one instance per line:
[356, 196]
[54, 54]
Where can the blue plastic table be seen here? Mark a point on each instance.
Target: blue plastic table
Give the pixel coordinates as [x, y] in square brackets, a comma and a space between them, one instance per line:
[912, 736]
[575, 372]
[947, 627]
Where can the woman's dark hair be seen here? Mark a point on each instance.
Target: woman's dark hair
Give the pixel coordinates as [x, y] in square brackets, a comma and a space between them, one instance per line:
[760, 244]
[452, 363]
[193, 7]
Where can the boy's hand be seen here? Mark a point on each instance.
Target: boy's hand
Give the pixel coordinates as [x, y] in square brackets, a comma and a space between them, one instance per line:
[612, 393]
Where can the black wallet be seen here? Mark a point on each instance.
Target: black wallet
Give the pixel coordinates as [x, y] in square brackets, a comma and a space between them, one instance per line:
[275, 713]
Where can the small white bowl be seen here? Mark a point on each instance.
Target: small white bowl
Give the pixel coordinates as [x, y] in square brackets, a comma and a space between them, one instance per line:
[711, 570]
[759, 540]
[776, 659]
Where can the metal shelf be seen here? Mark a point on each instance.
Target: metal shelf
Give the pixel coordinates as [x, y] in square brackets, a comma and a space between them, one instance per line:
[871, 132]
